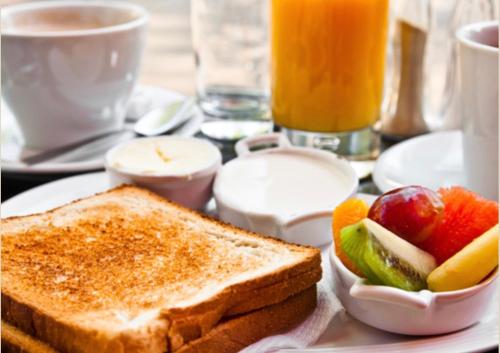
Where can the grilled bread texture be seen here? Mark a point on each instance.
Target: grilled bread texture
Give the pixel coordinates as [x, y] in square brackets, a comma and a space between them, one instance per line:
[127, 271]
[229, 336]
[16, 341]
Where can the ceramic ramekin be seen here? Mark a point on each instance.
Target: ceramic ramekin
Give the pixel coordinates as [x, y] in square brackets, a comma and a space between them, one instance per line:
[192, 190]
[410, 313]
[307, 228]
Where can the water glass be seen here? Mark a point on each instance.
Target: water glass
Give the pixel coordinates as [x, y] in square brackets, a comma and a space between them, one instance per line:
[230, 42]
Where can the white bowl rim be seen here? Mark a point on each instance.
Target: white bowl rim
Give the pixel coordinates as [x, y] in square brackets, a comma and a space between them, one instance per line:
[201, 172]
[331, 157]
[142, 18]
[438, 295]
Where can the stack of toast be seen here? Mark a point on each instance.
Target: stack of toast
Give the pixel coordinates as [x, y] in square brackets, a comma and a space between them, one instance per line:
[127, 271]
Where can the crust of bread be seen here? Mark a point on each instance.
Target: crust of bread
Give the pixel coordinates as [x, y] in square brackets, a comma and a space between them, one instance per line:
[237, 333]
[70, 337]
[185, 329]
[229, 336]
[16, 341]
[175, 326]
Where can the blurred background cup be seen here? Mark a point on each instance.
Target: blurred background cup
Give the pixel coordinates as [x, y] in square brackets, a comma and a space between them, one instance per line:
[230, 42]
[69, 67]
[442, 105]
[422, 90]
[327, 73]
[478, 82]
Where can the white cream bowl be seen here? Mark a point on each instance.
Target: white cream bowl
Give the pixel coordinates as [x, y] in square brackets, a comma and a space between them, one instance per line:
[244, 194]
[410, 313]
[191, 187]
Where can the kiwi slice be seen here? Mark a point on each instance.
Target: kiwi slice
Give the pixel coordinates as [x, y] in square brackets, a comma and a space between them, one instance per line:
[385, 258]
[354, 239]
[392, 270]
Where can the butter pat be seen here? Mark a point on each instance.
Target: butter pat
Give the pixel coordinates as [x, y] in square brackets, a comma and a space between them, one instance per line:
[169, 155]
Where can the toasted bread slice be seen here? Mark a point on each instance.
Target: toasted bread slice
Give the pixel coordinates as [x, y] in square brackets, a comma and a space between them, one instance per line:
[127, 271]
[227, 337]
[16, 341]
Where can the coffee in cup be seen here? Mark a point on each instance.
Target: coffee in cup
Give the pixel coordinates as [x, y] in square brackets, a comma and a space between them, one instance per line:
[69, 67]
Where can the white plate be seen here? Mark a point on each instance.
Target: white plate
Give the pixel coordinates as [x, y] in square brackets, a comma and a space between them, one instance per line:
[143, 98]
[344, 334]
[432, 160]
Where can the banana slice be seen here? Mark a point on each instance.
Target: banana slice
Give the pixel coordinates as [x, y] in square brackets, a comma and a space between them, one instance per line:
[469, 266]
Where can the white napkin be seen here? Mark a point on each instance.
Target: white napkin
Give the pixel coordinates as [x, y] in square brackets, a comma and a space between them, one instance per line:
[311, 329]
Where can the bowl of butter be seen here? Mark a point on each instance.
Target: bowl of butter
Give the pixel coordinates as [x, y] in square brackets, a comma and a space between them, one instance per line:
[181, 169]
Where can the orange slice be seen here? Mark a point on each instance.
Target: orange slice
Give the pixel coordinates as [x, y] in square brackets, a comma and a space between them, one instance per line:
[347, 213]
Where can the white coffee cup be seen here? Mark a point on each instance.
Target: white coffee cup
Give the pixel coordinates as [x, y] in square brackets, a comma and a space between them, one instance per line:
[69, 67]
[478, 74]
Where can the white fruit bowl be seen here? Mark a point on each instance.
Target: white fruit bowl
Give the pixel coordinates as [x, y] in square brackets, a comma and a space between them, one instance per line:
[410, 313]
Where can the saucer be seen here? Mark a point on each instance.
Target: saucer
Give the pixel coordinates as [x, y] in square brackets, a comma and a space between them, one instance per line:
[433, 160]
[144, 98]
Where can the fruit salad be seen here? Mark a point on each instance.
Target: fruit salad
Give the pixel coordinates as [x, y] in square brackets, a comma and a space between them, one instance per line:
[414, 238]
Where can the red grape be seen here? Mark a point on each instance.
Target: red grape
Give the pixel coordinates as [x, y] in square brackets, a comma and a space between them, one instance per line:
[411, 212]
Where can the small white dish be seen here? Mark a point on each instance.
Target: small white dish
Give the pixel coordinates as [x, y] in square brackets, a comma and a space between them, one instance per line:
[287, 192]
[181, 169]
[143, 99]
[433, 160]
[410, 313]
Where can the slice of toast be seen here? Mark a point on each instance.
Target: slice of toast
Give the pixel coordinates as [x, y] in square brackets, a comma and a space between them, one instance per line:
[127, 271]
[16, 341]
[227, 337]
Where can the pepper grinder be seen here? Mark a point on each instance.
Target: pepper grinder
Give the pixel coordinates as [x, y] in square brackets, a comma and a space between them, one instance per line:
[404, 116]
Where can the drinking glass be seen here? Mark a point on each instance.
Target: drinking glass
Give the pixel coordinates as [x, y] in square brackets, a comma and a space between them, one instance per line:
[230, 41]
[327, 72]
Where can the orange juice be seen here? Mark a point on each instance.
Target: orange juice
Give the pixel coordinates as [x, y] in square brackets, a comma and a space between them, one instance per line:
[328, 60]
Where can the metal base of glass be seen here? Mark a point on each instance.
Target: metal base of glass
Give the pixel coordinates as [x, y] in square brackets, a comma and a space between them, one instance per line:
[235, 104]
[232, 113]
[358, 145]
[233, 130]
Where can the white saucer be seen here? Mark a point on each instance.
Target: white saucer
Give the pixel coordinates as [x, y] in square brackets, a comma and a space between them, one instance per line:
[143, 99]
[432, 160]
[344, 334]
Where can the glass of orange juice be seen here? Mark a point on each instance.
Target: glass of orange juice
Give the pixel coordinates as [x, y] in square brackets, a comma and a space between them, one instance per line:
[327, 72]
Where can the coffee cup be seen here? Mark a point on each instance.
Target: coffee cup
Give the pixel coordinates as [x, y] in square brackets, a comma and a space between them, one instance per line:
[478, 75]
[69, 67]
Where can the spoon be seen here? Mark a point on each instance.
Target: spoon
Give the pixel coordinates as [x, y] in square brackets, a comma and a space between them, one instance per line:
[161, 120]
[156, 122]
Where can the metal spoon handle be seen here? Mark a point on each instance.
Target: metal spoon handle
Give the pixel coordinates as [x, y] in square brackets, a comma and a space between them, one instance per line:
[83, 146]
